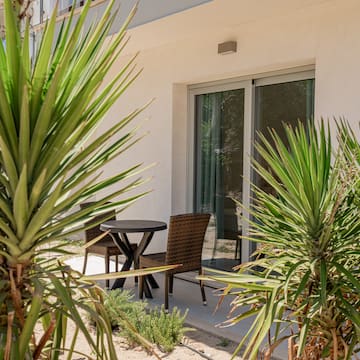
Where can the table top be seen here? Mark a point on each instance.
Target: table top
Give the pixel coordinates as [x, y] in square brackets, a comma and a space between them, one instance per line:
[132, 226]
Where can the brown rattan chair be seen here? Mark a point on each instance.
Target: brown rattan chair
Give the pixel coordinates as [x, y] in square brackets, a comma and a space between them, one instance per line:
[105, 246]
[184, 246]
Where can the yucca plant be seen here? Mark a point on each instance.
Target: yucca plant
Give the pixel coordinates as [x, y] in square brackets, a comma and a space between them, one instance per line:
[50, 162]
[304, 286]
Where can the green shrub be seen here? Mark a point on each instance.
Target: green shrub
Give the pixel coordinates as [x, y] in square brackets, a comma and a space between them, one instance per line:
[119, 304]
[164, 329]
[52, 101]
[304, 286]
[130, 318]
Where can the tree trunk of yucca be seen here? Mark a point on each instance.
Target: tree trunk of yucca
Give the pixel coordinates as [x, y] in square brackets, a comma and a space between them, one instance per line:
[14, 304]
[14, 310]
[315, 347]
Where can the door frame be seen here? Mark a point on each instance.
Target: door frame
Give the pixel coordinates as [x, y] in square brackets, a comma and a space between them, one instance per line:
[249, 85]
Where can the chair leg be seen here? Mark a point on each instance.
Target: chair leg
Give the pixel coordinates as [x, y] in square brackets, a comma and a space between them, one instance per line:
[85, 261]
[116, 263]
[166, 291]
[171, 284]
[238, 250]
[201, 272]
[136, 267]
[141, 287]
[107, 269]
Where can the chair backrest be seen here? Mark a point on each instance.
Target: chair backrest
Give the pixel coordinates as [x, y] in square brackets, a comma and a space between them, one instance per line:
[95, 231]
[185, 240]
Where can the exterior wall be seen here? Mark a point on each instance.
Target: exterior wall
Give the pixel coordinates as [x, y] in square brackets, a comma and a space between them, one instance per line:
[181, 50]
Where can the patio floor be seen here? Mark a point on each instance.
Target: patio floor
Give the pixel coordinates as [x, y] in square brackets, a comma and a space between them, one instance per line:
[186, 296]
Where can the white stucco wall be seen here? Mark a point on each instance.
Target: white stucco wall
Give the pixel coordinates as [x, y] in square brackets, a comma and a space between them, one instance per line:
[182, 49]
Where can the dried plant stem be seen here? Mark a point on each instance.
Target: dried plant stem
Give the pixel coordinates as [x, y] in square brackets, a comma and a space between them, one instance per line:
[10, 322]
[46, 336]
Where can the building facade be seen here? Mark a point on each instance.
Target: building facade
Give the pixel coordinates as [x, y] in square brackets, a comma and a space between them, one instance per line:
[285, 61]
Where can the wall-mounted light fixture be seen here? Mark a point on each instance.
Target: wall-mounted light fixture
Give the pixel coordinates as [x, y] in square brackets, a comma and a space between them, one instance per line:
[227, 47]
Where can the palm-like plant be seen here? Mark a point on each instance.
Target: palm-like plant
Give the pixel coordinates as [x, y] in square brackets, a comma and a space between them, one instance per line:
[50, 159]
[305, 286]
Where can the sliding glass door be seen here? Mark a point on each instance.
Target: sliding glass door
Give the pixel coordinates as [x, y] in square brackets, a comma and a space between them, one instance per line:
[226, 121]
[219, 170]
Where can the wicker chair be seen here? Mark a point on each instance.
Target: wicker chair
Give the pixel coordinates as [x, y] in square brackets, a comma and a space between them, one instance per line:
[105, 246]
[184, 246]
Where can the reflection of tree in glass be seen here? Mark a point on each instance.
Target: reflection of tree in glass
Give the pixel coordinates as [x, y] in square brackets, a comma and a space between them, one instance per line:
[232, 127]
[222, 122]
[276, 104]
[220, 136]
[206, 127]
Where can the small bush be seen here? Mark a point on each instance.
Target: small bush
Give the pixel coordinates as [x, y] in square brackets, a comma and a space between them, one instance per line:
[164, 329]
[119, 303]
[130, 318]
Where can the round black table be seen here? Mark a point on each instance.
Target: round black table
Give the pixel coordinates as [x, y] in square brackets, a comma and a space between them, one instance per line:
[118, 230]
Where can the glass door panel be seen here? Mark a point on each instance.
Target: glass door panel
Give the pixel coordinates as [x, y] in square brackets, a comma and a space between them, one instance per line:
[218, 172]
[276, 104]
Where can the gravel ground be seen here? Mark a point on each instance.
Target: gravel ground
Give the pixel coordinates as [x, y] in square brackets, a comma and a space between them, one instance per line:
[196, 345]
